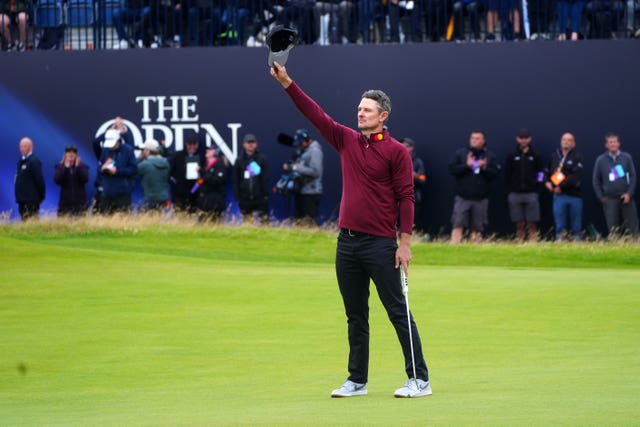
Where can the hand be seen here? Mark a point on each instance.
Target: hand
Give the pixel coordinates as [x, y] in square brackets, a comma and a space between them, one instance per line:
[403, 253]
[549, 186]
[470, 160]
[285, 167]
[279, 73]
[557, 190]
[626, 198]
[482, 163]
[77, 162]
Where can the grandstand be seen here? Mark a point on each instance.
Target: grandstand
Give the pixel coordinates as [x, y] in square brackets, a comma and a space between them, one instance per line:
[93, 24]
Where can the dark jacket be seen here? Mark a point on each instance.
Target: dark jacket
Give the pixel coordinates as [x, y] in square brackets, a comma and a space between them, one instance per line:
[524, 172]
[572, 168]
[180, 185]
[472, 185]
[608, 182]
[212, 193]
[154, 177]
[29, 183]
[122, 183]
[248, 186]
[72, 181]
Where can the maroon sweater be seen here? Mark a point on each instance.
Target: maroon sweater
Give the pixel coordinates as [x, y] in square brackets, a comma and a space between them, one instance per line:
[377, 173]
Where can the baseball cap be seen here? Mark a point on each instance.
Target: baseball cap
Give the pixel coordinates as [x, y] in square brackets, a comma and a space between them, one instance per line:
[151, 145]
[524, 133]
[110, 138]
[408, 142]
[71, 148]
[301, 135]
[249, 137]
[280, 41]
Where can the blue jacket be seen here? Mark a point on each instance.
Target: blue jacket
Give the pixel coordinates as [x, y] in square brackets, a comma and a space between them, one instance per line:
[122, 183]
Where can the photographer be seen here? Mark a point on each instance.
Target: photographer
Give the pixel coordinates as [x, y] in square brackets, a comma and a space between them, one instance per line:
[308, 164]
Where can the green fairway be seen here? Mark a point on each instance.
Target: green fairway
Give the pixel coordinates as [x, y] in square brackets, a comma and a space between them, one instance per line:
[163, 325]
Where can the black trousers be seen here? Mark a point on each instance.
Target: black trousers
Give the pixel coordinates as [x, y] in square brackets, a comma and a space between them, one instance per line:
[307, 206]
[359, 259]
[29, 210]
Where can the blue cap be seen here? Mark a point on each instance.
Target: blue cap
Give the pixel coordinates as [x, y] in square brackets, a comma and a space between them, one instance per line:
[301, 135]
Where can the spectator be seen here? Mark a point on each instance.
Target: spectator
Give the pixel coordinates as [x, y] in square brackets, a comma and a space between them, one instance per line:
[377, 194]
[564, 176]
[131, 12]
[603, 17]
[371, 17]
[98, 143]
[493, 9]
[309, 165]
[632, 8]
[251, 180]
[212, 185]
[405, 12]
[524, 174]
[118, 167]
[570, 11]
[165, 12]
[436, 19]
[540, 14]
[299, 14]
[419, 179]
[29, 184]
[14, 12]
[71, 174]
[336, 14]
[472, 9]
[474, 168]
[614, 182]
[184, 167]
[154, 173]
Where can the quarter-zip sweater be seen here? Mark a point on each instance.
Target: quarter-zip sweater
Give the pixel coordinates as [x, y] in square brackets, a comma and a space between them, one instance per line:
[377, 173]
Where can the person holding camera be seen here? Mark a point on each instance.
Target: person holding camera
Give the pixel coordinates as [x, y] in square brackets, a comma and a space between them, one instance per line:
[308, 165]
[474, 167]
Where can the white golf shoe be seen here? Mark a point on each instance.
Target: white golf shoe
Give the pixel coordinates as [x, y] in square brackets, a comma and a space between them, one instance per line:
[349, 388]
[411, 389]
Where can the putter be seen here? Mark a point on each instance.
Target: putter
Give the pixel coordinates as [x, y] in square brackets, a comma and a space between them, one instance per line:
[405, 291]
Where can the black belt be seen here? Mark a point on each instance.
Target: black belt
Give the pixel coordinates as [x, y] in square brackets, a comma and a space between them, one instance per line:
[352, 233]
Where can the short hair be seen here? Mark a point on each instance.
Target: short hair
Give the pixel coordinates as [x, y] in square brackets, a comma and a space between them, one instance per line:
[383, 100]
[480, 131]
[611, 135]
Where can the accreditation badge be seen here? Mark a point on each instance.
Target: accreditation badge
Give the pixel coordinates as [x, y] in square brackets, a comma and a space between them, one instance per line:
[557, 178]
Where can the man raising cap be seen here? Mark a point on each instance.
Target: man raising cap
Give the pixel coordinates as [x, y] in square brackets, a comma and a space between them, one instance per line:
[377, 191]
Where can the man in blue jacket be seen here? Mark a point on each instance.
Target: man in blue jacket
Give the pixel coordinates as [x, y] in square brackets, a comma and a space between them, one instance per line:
[29, 182]
[118, 167]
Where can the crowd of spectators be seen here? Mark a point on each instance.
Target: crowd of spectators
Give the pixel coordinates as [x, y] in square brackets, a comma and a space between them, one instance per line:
[194, 181]
[123, 24]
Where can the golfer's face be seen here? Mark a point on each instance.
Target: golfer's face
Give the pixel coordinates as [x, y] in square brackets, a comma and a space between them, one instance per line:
[369, 117]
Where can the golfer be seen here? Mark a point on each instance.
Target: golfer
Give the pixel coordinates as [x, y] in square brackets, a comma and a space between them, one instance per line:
[377, 190]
